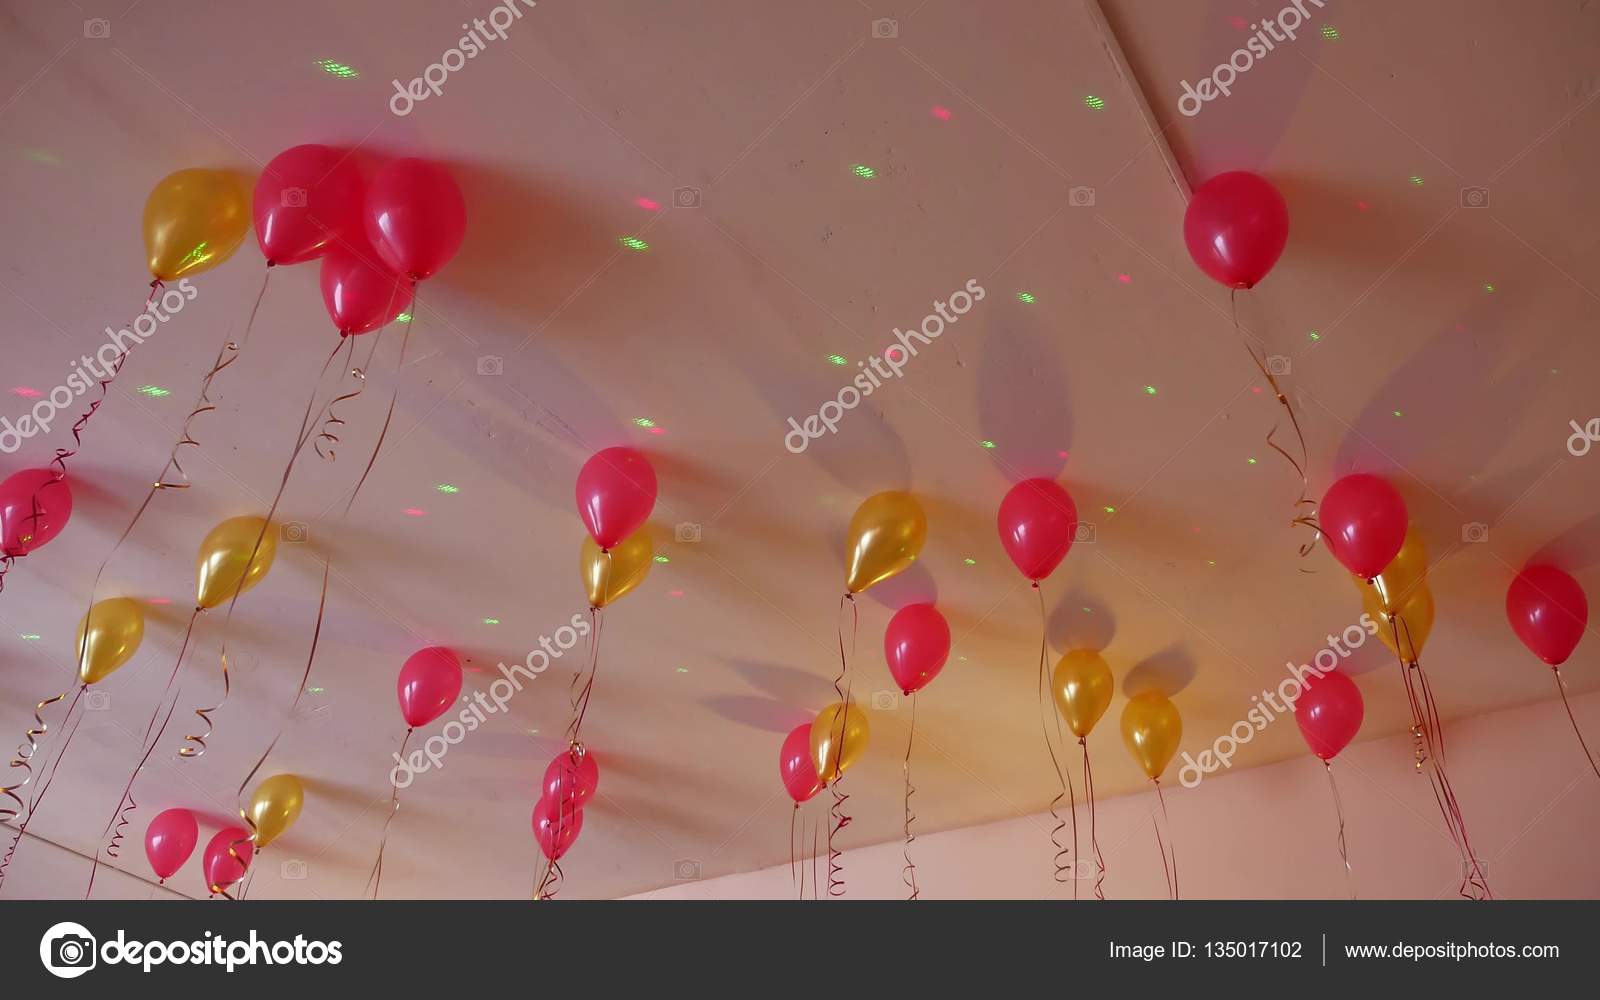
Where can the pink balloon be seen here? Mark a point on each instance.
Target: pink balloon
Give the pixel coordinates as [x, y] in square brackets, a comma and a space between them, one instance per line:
[916, 644]
[1548, 611]
[222, 869]
[795, 766]
[416, 217]
[1038, 522]
[616, 492]
[358, 290]
[1329, 712]
[306, 198]
[1236, 227]
[1365, 521]
[572, 778]
[34, 507]
[555, 827]
[430, 682]
[170, 839]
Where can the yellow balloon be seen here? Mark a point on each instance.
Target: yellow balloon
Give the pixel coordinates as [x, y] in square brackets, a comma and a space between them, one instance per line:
[1151, 728]
[1413, 621]
[108, 637]
[1083, 687]
[275, 806]
[838, 739]
[1402, 578]
[224, 559]
[193, 221]
[886, 535]
[606, 578]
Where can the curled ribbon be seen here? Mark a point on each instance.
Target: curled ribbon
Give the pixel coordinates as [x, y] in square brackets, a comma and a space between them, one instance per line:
[37, 799]
[908, 874]
[843, 684]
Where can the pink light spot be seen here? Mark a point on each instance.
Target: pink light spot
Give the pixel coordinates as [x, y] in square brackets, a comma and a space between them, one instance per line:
[1362, 206]
[674, 593]
[474, 670]
[1239, 22]
[648, 204]
[1256, 389]
[658, 430]
[941, 112]
[26, 392]
[160, 600]
[414, 512]
[1125, 279]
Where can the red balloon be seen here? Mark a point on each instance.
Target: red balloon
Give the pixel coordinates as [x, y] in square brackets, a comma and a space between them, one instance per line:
[306, 198]
[1038, 522]
[1548, 611]
[1236, 226]
[358, 290]
[34, 507]
[572, 778]
[616, 493]
[795, 766]
[430, 682]
[222, 869]
[170, 839]
[1329, 711]
[916, 644]
[1365, 521]
[555, 827]
[416, 217]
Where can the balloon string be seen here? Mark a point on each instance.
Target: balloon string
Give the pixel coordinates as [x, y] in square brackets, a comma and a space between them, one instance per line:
[1344, 848]
[37, 799]
[794, 877]
[1561, 685]
[24, 757]
[6, 563]
[550, 882]
[579, 693]
[815, 854]
[1172, 872]
[908, 874]
[843, 685]
[120, 816]
[1063, 870]
[1094, 837]
[375, 879]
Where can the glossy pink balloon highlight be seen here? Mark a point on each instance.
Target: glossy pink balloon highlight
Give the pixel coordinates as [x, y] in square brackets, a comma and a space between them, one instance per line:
[795, 766]
[307, 198]
[223, 869]
[916, 645]
[1329, 712]
[616, 493]
[25, 526]
[572, 779]
[1364, 519]
[1548, 611]
[1038, 522]
[359, 291]
[416, 217]
[169, 841]
[430, 682]
[555, 827]
[1236, 227]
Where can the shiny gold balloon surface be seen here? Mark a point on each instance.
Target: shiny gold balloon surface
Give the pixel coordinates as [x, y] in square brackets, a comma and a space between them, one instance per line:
[108, 637]
[275, 806]
[225, 558]
[1402, 578]
[886, 534]
[1413, 621]
[607, 577]
[1083, 687]
[1152, 729]
[838, 739]
[193, 221]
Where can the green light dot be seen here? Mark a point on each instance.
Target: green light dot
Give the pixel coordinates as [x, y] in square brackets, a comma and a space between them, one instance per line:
[1314, 335]
[30, 636]
[1149, 390]
[1093, 103]
[403, 318]
[1488, 287]
[662, 559]
[633, 243]
[1398, 413]
[1211, 562]
[986, 444]
[838, 359]
[1330, 32]
[1027, 297]
[337, 69]
[1088, 610]
[970, 562]
[643, 422]
[491, 621]
[1251, 461]
[1416, 181]
[683, 670]
[1109, 509]
[863, 171]
[316, 690]
[447, 488]
[155, 390]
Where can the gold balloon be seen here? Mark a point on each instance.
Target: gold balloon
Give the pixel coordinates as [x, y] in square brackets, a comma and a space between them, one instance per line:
[608, 577]
[275, 806]
[225, 559]
[838, 739]
[193, 221]
[108, 637]
[1083, 687]
[886, 534]
[1402, 578]
[1416, 614]
[1151, 728]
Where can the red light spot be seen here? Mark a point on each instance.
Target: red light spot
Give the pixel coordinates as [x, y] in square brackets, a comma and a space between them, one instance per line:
[1362, 206]
[1239, 22]
[414, 512]
[658, 430]
[941, 112]
[648, 204]
[160, 600]
[1256, 389]
[1062, 454]
[1125, 279]
[26, 392]
[674, 593]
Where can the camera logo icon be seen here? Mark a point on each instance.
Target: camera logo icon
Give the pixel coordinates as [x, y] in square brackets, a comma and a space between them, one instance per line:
[1083, 533]
[96, 701]
[491, 364]
[1081, 196]
[294, 532]
[686, 870]
[686, 531]
[686, 197]
[68, 950]
[97, 27]
[885, 27]
[1474, 197]
[1474, 531]
[294, 870]
[1278, 364]
[294, 197]
[885, 701]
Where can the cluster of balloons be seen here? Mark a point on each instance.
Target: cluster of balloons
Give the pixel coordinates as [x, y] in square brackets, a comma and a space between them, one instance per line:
[570, 781]
[170, 839]
[616, 491]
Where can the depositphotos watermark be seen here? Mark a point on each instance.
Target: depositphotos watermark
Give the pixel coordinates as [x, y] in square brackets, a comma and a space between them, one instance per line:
[1268, 30]
[1280, 701]
[476, 40]
[68, 951]
[880, 368]
[90, 369]
[1583, 437]
[481, 706]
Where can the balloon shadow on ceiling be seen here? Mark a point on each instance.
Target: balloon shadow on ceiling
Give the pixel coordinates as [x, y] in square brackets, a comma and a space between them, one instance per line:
[914, 585]
[1577, 548]
[1168, 672]
[1023, 407]
[789, 697]
[1081, 622]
